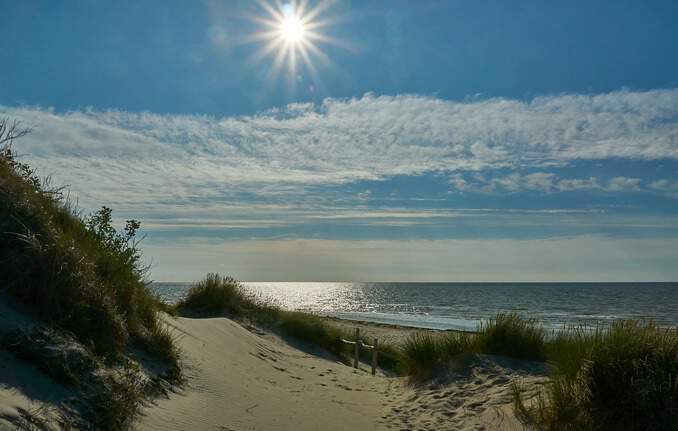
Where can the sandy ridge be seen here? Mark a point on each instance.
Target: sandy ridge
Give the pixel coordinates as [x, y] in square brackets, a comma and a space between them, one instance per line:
[239, 379]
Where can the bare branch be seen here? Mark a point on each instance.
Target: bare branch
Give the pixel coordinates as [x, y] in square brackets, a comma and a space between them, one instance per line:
[9, 131]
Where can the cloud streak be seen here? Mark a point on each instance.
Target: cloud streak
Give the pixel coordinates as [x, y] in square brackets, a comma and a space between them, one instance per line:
[210, 191]
[161, 167]
[345, 140]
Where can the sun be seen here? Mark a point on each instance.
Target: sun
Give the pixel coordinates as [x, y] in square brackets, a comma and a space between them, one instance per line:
[290, 34]
[292, 28]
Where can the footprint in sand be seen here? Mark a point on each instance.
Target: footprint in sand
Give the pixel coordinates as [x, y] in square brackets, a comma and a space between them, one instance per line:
[455, 403]
[476, 405]
[501, 380]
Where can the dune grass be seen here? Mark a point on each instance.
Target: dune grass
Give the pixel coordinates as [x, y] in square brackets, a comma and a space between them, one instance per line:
[424, 355]
[86, 282]
[621, 377]
[81, 275]
[213, 295]
[513, 336]
[507, 335]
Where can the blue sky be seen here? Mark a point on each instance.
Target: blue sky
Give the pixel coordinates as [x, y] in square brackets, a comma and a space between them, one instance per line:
[428, 140]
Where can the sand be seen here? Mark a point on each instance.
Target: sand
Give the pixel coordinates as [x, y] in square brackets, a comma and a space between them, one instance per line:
[391, 334]
[239, 379]
[25, 393]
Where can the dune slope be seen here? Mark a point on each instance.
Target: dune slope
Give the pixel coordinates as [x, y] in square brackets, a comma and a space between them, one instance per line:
[242, 380]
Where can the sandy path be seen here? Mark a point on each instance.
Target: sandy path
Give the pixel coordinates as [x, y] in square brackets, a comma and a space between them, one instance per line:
[479, 398]
[239, 380]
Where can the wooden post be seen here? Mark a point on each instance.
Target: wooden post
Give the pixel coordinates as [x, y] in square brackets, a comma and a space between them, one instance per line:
[374, 356]
[357, 347]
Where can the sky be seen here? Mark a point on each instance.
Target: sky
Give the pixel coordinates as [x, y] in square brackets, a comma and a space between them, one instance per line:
[361, 140]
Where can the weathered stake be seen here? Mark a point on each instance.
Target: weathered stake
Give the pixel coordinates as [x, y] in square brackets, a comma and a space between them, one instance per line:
[357, 347]
[374, 357]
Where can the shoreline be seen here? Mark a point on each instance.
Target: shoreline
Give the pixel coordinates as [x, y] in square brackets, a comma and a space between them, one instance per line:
[386, 332]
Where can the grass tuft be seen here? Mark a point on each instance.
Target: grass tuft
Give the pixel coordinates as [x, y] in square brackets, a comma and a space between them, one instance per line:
[82, 276]
[214, 295]
[425, 354]
[621, 377]
[85, 281]
[511, 335]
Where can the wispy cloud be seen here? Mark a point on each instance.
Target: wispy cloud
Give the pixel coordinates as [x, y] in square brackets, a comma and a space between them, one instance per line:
[161, 167]
[348, 139]
[669, 187]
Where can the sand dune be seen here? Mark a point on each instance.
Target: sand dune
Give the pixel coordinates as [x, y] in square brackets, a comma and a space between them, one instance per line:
[24, 391]
[243, 380]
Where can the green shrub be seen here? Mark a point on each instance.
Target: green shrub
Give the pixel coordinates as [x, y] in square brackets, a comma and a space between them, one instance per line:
[424, 354]
[624, 377]
[511, 335]
[213, 295]
[81, 276]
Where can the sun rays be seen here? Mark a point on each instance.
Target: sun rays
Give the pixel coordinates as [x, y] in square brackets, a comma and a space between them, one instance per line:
[292, 28]
[291, 34]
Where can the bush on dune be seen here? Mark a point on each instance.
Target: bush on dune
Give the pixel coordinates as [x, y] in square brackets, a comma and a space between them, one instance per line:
[623, 377]
[216, 295]
[513, 336]
[506, 335]
[79, 275]
[425, 354]
[213, 295]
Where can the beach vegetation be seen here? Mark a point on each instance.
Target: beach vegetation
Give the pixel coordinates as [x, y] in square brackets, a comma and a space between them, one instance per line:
[620, 377]
[79, 274]
[213, 295]
[623, 377]
[84, 281]
[424, 354]
[511, 335]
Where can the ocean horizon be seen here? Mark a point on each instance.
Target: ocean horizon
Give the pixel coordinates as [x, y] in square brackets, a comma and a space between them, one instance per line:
[464, 305]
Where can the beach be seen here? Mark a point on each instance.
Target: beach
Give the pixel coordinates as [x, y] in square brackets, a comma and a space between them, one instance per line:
[384, 332]
[240, 378]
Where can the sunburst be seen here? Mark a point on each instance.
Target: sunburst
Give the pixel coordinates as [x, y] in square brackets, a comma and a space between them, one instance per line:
[292, 31]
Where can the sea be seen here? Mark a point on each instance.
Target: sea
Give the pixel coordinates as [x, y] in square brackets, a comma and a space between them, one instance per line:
[464, 306]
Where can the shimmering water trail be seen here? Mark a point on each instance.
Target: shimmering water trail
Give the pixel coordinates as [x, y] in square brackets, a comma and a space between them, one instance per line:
[464, 305]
